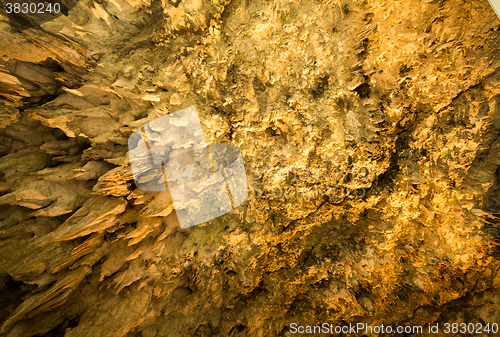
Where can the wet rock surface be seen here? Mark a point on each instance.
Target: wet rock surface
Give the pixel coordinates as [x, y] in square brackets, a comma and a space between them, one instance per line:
[370, 136]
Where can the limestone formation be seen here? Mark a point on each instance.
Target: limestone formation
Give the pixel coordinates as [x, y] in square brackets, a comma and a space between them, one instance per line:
[370, 132]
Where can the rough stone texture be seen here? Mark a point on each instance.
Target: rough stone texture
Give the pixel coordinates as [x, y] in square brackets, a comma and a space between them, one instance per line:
[397, 101]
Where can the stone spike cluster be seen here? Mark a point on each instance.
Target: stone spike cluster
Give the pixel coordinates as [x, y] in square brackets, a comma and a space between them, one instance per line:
[408, 91]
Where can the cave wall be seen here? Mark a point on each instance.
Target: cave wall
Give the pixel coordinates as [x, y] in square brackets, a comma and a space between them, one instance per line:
[381, 117]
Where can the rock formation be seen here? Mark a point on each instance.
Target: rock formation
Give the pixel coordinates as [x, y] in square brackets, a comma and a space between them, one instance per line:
[370, 134]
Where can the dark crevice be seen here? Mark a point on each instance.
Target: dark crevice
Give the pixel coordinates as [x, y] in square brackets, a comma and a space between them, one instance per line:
[13, 293]
[364, 90]
[320, 87]
[175, 3]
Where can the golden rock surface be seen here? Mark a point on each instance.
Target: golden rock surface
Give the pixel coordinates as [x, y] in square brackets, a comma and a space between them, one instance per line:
[379, 119]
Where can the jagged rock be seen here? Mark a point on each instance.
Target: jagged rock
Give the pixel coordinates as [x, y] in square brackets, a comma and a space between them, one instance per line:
[370, 135]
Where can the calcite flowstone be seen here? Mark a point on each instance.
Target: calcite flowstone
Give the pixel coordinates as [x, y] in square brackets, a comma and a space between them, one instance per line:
[370, 136]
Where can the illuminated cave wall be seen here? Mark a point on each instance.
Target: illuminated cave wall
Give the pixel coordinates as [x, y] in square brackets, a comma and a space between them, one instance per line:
[381, 118]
